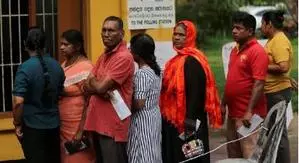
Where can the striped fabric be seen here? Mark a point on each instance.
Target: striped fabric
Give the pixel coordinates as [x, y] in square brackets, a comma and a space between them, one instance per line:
[144, 145]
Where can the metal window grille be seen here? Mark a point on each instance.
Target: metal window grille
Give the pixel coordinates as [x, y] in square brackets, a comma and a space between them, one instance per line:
[46, 16]
[13, 28]
[14, 24]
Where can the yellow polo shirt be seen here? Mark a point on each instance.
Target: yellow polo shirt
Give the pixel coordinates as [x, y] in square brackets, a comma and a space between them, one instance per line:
[279, 49]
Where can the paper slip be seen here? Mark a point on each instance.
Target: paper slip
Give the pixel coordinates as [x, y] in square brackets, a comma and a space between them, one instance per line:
[119, 105]
[182, 135]
[255, 121]
[76, 78]
[197, 124]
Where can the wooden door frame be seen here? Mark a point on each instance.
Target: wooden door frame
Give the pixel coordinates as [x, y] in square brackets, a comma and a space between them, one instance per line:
[69, 16]
[66, 10]
[32, 12]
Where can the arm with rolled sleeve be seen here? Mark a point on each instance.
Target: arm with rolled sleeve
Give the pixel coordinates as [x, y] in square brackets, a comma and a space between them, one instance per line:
[19, 92]
[116, 75]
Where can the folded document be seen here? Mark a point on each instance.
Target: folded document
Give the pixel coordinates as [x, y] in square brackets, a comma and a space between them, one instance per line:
[119, 105]
[255, 121]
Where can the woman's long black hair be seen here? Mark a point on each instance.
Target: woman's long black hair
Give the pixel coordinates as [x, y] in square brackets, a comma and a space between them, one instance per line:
[143, 45]
[36, 41]
[75, 37]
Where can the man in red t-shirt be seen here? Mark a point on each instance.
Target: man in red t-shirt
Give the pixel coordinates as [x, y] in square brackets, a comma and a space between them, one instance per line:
[243, 93]
[114, 70]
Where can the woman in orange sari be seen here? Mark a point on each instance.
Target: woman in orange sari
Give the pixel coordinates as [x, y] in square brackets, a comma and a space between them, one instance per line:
[188, 94]
[72, 105]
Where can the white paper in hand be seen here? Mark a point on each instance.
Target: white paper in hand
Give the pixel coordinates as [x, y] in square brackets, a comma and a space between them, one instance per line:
[255, 121]
[119, 105]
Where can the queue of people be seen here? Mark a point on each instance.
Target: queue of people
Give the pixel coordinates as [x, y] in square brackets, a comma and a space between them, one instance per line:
[56, 107]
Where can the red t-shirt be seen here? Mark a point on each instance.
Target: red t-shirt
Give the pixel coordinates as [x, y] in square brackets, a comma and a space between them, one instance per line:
[245, 66]
[101, 116]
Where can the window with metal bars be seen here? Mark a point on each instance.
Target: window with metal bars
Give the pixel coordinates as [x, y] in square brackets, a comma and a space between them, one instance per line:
[15, 18]
[46, 17]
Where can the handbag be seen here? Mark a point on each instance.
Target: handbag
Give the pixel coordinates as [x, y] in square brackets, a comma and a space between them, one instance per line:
[193, 146]
[75, 146]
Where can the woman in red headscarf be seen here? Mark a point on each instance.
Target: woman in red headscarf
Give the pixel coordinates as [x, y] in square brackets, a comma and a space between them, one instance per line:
[188, 94]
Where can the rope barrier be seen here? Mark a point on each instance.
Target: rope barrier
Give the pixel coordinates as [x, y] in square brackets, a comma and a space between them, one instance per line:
[232, 141]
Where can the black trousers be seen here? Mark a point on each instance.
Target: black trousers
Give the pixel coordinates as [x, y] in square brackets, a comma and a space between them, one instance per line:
[109, 151]
[283, 153]
[41, 145]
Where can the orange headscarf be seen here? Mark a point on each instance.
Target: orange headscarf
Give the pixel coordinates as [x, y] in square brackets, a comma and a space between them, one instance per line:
[173, 98]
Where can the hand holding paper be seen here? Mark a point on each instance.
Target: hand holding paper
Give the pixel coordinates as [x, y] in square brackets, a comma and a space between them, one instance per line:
[255, 121]
[119, 105]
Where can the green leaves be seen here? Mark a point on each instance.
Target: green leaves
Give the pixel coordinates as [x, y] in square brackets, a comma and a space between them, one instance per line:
[213, 17]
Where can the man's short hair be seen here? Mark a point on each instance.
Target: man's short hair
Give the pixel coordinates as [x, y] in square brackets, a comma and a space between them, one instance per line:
[246, 19]
[117, 19]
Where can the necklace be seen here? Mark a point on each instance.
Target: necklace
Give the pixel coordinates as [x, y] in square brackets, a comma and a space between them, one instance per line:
[72, 62]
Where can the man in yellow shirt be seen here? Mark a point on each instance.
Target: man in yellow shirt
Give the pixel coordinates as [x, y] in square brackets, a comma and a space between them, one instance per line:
[278, 83]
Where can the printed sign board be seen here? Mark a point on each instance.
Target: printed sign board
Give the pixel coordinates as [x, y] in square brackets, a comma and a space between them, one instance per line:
[144, 14]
